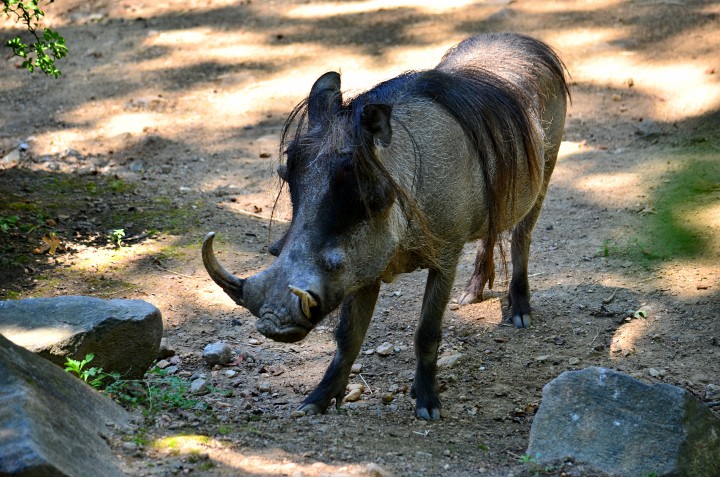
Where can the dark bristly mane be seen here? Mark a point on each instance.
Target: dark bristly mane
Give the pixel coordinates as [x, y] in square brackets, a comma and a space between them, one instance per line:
[497, 116]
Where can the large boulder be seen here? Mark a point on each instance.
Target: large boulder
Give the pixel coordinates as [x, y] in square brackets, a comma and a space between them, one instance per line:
[51, 423]
[624, 427]
[124, 335]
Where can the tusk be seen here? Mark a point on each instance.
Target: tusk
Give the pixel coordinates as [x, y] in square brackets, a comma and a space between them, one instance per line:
[232, 285]
[306, 300]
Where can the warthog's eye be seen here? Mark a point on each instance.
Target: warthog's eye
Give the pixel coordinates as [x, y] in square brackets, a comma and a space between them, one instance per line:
[345, 207]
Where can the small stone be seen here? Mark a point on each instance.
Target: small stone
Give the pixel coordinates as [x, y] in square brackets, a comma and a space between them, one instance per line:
[217, 353]
[171, 369]
[616, 97]
[356, 368]
[449, 361]
[574, 361]
[136, 166]
[162, 364]
[130, 446]
[296, 414]
[542, 358]
[454, 306]
[656, 373]
[387, 398]
[230, 373]
[264, 387]
[10, 160]
[199, 387]
[374, 470]
[712, 392]
[166, 350]
[359, 386]
[353, 395]
[385, 349]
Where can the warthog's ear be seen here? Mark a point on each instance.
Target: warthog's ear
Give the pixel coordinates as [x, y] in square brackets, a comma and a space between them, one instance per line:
[325, 99]
[375, 120]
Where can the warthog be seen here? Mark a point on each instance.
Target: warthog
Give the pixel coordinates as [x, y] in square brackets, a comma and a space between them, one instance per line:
[398, 178]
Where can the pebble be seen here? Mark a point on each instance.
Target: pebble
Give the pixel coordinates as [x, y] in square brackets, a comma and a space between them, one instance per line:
[574, 361]
[129, 446]
[162, 364]
[166, 350]
[454, 306]
[199, 387]
[172, 369]
[449, 361]
[542, 358]
[10, 160]
[353, 395]
[230, 373]
[374, 470]
[385, 349]
[712, 392]
[264, 387]
[356, 368]
[387, 398]
[217, 353]
[296, 414]
[656, 373]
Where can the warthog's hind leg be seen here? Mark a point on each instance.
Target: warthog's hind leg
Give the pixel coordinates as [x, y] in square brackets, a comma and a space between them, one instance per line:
[484, 273]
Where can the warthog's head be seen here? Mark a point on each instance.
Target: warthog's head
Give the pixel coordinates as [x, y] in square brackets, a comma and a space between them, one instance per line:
[344, 227]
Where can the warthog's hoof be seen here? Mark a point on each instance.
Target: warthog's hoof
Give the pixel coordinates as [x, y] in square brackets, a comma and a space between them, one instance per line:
[428, 414]
[310, 409]
[522, 321]
[468, 298]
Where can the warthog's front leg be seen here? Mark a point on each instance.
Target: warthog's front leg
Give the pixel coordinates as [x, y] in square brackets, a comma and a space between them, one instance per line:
[427, 341]
[355, 315]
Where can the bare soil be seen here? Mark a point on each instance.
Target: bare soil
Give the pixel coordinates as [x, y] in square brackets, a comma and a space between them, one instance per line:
[165, 124]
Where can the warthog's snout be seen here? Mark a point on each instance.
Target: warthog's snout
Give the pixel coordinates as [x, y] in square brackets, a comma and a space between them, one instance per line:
[286, 313]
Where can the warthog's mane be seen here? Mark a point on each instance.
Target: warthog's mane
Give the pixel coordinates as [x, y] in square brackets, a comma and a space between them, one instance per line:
[496, 105]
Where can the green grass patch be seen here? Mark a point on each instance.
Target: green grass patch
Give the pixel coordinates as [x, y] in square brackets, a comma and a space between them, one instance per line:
[674, 230]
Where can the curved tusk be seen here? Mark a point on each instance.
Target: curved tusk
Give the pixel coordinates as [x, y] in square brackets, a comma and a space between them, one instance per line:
[306, 300]
[231, 284]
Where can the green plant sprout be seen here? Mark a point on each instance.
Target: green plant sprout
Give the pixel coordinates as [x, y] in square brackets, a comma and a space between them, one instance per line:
[95, 377]
[116, 237]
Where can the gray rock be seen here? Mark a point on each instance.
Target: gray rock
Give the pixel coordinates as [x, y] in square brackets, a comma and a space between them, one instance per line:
[712, 392]
[166, 349]
[51, 422]
[124, 335]
[199, 387]
[624, 427]
[385, 349]
[449, 361]
[217, 353]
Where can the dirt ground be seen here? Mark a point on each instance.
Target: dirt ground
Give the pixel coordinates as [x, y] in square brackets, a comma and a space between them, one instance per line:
[165, 124]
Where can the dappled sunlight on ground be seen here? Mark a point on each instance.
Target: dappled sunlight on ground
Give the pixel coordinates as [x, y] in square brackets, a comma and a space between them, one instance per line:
[684, 90]
[267, 462]
[167, 123]
[328, 9]
[626, 336]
